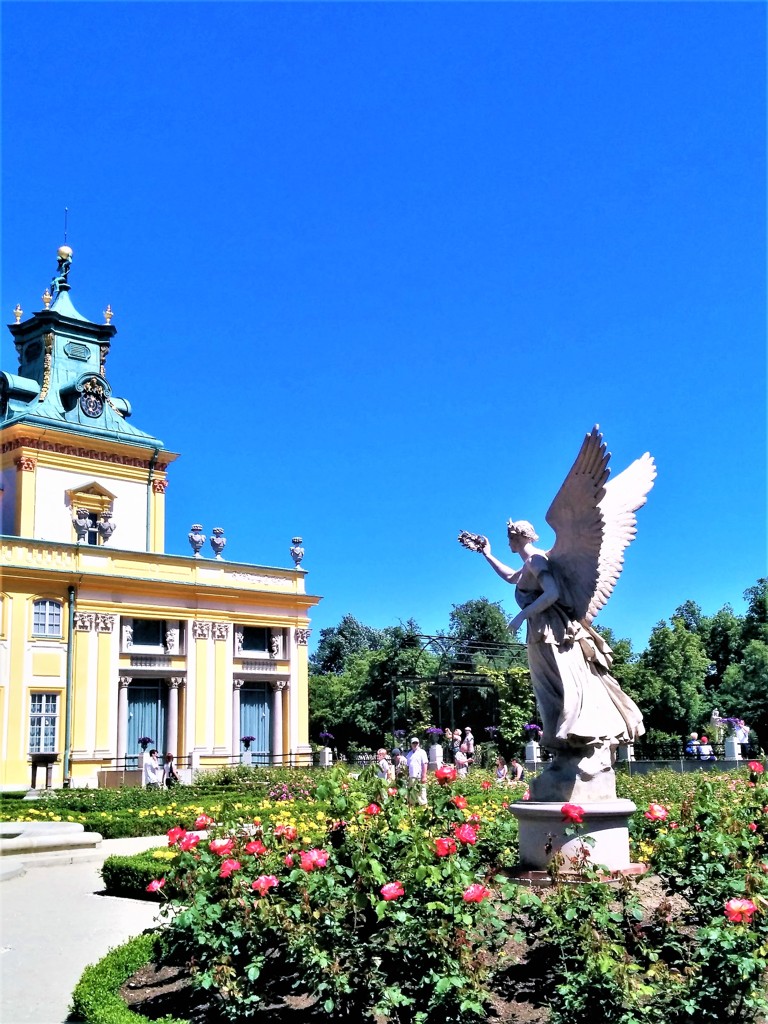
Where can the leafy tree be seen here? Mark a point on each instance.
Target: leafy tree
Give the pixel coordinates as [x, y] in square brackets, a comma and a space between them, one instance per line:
[744, 692]
[669, 683]
[337, 644]
[756, 618]
[479, 627]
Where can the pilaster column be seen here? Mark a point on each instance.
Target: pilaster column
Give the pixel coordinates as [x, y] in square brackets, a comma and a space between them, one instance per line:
[172, 729]
[122, 716]
[237, 685]
[279, 686]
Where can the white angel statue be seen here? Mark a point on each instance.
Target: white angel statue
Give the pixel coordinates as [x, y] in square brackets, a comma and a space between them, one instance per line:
[584, 711]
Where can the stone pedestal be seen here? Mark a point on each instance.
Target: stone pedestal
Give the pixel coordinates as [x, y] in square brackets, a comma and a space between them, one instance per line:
[732, 749]
[435, 756]
[325, 757]
[542, 833]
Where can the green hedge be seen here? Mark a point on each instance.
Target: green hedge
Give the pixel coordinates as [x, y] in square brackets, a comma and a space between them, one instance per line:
[130, 874]
[97, 999]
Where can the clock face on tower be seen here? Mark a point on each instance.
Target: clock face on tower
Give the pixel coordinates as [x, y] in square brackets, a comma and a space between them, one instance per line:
[91, 404]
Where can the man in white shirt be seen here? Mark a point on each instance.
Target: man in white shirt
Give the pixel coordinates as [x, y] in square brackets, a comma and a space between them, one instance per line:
[469, 739]
[153, 772]
[417, 772]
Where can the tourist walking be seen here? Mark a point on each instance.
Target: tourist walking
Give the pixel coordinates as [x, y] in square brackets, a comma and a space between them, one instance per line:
[152, 776]
[417, 772]
[170, 775]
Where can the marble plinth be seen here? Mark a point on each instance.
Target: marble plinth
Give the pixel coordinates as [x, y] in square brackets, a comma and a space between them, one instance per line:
[543, 835]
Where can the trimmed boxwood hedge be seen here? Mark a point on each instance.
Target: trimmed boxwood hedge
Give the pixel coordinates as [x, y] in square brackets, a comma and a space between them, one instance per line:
[130, 874]
[97, 999]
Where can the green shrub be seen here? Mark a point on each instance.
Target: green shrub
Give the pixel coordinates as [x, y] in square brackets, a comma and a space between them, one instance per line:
[96, 998]
[129, 875]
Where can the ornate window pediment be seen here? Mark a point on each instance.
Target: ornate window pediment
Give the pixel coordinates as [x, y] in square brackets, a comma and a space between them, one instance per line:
[91, 507]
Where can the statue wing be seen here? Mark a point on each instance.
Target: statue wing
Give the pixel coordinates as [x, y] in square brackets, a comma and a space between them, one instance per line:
[594, 521]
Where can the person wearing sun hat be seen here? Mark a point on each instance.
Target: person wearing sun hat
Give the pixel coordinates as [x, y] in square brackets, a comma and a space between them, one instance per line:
[417, 772]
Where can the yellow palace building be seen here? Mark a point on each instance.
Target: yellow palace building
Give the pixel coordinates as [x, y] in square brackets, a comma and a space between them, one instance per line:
[106, 642]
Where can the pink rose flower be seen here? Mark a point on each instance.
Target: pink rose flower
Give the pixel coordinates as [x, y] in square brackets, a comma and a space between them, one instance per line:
[155, 885]
[222, 847]
[203, 821]
[392, 791]
[740, 911]
[572, 813]
[527, 795]
[288, 861]
[392, 890]
[188, 842]
[459, 801]
[756, 767]
[466, 835]
[311, 859]
[656, 812]
[372, 810]
[256, 847]
[264, 883]
[752, 826]
[476, 893]
[228, 867]
[289, 832]
[445, 847]
[175, 834]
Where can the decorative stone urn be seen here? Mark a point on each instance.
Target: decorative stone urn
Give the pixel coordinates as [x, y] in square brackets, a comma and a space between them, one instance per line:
[218, 541]
[106, 527]
[82, 524]
[297, 551]
[196, 538]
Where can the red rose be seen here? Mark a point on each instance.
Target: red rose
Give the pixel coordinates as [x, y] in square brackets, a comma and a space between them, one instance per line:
[264, 883]
[228, 866]
[572, 813]
[392, 791]
[445, 847]
[203, 821]
[156, 884]
[445, 773]
[756, 767]
[740, 911]
[288, 861]
[459, 801]
[222, 847]
[476, 893]
[392, 890]
[656, 812]
[175, 834]
[466, 835]
[188, 842]
[372, 810]
[486, 784]
[752, 826]
[256, 847]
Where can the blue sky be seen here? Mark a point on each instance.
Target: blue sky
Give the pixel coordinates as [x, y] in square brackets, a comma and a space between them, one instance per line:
[376, 268]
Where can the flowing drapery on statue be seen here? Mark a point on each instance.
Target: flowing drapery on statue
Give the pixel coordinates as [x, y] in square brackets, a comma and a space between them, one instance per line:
[584, 711]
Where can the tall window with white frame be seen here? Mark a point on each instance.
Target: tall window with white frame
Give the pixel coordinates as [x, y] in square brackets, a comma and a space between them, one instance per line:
[43, 722]
[46, 619]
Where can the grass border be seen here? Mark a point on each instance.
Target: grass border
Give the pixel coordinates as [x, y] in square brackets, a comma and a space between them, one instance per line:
[96, 998]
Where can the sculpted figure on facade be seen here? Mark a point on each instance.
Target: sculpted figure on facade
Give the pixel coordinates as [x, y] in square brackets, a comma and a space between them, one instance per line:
[106, 526]
[82, 524]
[584, 711]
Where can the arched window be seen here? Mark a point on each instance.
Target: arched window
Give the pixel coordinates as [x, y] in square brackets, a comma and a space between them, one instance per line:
[46, 620]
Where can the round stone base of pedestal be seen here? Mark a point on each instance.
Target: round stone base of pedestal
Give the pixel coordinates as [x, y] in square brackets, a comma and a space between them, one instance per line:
[543, 836]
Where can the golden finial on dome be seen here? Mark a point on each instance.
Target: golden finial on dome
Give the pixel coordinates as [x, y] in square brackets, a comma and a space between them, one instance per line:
[18, 313]
[108, 314]
[64, 252]
[47, 298]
